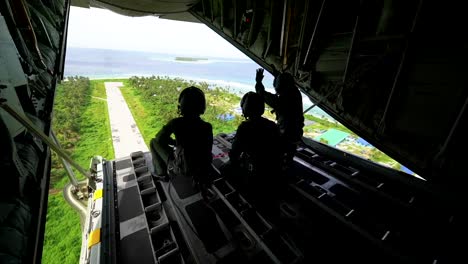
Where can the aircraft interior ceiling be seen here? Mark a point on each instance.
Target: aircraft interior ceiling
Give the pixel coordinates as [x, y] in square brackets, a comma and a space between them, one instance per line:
[393, 72]
[385, 69]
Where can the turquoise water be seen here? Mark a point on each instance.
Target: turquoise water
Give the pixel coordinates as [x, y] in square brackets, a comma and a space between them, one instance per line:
[237, 75]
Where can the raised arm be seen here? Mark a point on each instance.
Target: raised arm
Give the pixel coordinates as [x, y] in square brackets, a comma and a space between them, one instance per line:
[270, 99]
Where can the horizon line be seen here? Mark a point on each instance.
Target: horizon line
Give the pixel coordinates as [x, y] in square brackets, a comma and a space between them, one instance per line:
[155, 52]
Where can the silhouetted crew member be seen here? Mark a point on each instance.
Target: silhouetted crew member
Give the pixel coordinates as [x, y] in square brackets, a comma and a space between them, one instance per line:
[256, 156]
[287, 105]
[193, 140]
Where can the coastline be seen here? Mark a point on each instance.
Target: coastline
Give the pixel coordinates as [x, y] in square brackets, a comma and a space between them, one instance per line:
[237, 88]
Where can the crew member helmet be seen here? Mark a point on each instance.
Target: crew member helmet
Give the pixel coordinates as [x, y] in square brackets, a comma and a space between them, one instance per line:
[252, 105]
[192, 101]
[284, 83]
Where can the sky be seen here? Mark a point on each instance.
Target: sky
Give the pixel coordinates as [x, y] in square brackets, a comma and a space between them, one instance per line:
[99, 28]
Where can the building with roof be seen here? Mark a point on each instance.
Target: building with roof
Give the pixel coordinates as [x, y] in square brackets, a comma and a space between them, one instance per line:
[332, 137]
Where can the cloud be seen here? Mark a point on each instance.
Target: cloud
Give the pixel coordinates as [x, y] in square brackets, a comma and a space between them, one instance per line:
[99, 28]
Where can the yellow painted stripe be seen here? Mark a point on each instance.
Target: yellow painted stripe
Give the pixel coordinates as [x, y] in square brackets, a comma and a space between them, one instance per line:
[94, 237]
[97, 194]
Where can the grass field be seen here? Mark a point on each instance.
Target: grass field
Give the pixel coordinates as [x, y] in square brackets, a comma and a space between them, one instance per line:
[153, 102]
[62, 241]
[95, 135]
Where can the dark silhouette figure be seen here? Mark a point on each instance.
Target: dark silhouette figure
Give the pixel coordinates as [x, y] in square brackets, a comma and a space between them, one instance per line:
[287, 105]
[256, 157]
[193, 140]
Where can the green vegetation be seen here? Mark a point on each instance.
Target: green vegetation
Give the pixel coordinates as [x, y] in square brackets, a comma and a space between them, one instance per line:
[321, 124]
[62, 242]
[189, 59]
[70, 101]
[153, 102]
[380, 157]
[81, 123]
[324, 141]
[317, 126]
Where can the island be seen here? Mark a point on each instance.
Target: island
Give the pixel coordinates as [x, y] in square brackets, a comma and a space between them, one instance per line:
[190, 59]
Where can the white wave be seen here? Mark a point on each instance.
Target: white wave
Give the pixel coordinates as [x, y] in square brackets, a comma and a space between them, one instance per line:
[235, 87]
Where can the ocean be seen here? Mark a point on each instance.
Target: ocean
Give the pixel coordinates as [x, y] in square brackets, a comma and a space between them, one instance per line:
[236, 75]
